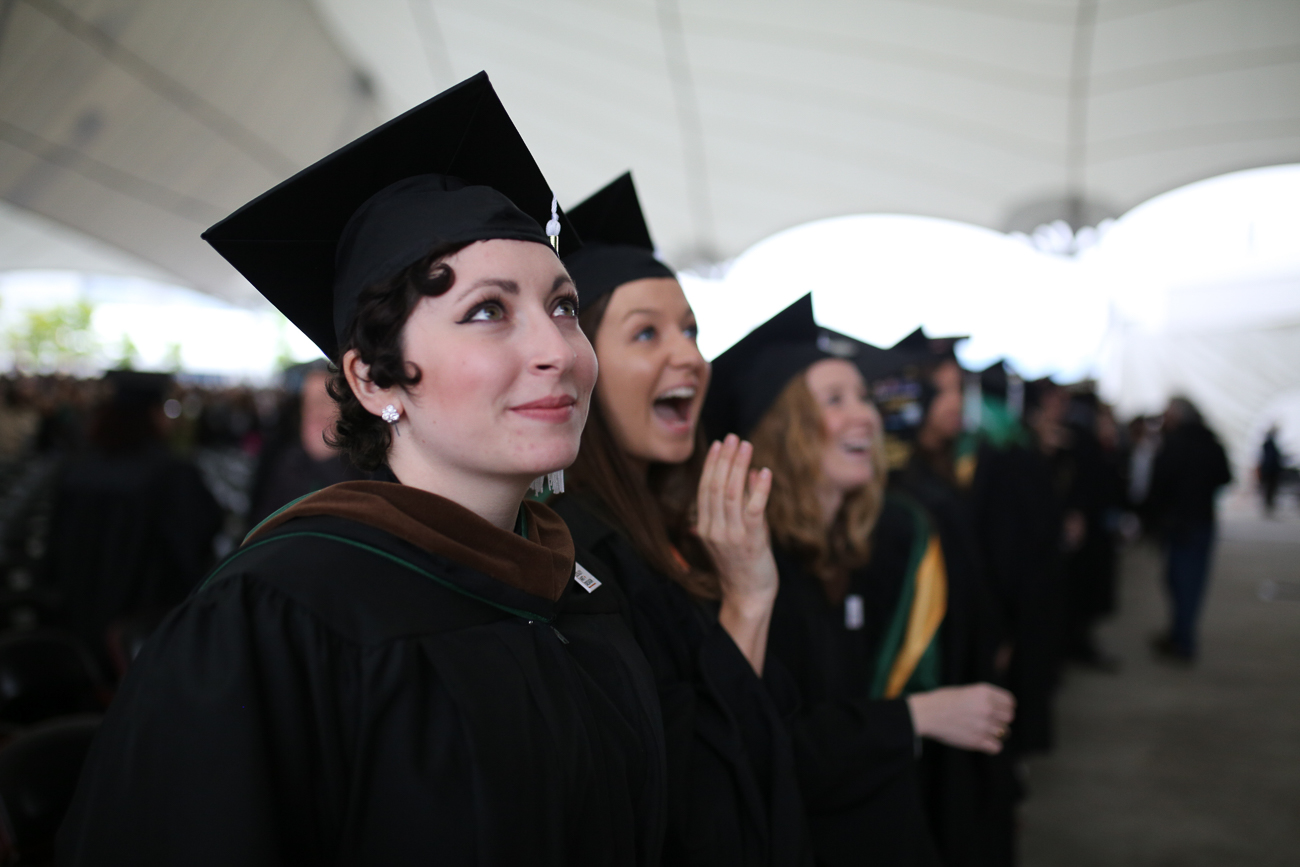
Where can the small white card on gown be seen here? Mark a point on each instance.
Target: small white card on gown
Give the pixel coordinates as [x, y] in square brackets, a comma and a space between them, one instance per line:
[588, 581]
[854, 613]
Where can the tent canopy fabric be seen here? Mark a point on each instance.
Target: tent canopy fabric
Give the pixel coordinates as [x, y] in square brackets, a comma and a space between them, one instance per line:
[140, 122]
[1195, 293]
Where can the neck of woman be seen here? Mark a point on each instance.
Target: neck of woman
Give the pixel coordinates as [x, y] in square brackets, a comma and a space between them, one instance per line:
[830, 499]
[495, 499]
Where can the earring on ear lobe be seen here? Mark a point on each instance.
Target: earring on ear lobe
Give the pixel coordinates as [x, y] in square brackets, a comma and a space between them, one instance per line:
[391, 414]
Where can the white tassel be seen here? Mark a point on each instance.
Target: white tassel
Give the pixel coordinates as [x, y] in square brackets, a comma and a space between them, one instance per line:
[553, 225]
[554, 481]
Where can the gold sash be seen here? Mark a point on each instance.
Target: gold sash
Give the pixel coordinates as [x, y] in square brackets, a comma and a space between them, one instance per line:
[929, 603]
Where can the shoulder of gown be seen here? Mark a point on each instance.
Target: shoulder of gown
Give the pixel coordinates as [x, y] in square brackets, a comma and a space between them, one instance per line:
[319, 701]
[734, 798]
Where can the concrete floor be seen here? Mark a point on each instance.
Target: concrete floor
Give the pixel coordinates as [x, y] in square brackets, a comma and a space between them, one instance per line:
[1160, 766]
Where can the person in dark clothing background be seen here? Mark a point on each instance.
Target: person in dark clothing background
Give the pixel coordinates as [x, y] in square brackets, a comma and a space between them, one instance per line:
[1092, 491]
[1143, 444]
[1019, 522]
[970, 797]
[1270, 469]
[301, 461]
[862, 598]
[133, 524]
[414, 668]
[699, 592]
[1189, 470]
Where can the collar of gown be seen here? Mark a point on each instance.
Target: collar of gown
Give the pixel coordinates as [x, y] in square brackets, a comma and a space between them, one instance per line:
[540, 565]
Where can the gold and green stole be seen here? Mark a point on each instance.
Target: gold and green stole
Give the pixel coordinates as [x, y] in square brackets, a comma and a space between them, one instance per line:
[908, 660]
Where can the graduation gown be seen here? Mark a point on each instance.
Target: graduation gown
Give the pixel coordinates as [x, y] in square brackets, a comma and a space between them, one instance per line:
[733, 794]
[969, 796]
[131, 535]
[1089, 476]
[856, 752]
[1018, 524]
[381, 677]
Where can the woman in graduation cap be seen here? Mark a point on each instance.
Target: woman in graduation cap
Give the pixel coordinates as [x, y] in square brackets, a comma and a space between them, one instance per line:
[404, 670]
[679, 529]
[969, 795]
[861, 600]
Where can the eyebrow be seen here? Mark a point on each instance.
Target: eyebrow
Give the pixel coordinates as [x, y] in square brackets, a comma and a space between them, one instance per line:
[629, 314]
[510, 287]
[507, 286]
[656, 313]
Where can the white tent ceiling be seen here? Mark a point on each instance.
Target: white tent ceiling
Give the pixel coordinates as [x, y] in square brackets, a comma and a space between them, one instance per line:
[139, 122]
[142, 122]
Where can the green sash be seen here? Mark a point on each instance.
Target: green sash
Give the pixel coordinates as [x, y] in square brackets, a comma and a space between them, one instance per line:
[908, 659]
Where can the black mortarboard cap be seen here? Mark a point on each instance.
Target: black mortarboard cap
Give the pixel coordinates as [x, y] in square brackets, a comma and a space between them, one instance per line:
[995, 380]
[749, 377]
[1037, 390]
[450, 171]
[872, 362]
[915, 343]
[921, 347]
[616, 243]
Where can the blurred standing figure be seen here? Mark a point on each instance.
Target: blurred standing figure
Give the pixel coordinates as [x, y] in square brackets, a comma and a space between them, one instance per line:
[699, 582]
[1144, 442]
[133, 524]
[1270, 470]
[969, 796]
[1093, 494]
[1020, 520]
[303, 461]
[1189, 469]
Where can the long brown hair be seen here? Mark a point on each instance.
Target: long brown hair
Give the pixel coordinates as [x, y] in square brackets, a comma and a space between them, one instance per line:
[655, 511]
[789, 440]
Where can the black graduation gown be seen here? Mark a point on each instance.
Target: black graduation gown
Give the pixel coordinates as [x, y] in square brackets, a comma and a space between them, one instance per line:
[733, 795]
[969, 796]
[336, 695]
[131, 535]
[1018, 521]
[856, 754]
[1089, 478]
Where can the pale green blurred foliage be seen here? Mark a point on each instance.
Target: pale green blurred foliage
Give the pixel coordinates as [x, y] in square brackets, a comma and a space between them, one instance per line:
[57, 339]
[172, 360]
[128, 354]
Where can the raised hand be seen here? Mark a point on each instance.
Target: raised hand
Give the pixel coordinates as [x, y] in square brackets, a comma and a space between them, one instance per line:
[731, 522]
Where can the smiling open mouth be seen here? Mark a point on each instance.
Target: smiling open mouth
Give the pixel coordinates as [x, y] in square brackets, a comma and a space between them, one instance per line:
[857, 447]
[674, 405]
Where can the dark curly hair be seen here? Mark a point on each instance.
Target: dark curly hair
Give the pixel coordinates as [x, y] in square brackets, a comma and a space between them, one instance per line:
[376, 334]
